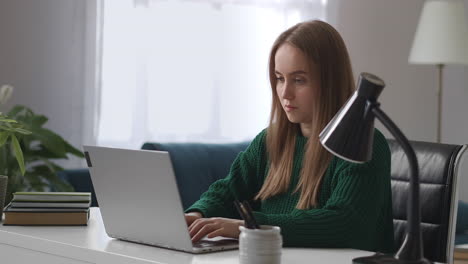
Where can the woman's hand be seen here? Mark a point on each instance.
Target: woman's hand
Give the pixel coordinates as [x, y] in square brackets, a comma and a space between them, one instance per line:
[192, 216]
[212, 227]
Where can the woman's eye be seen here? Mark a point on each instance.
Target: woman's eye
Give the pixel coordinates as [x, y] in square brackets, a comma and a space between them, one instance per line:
[280, 79]
[299, 81]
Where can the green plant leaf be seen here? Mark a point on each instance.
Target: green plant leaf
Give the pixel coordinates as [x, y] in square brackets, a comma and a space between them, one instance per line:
[50, 140]
[47, 173]
[52, 166]
[3, 138]
[23, 131]
[35, 182]
[70, 149]
[7, 128]
[18, 153]
[39, 150]
[16, 109]
[6, 120]
[44, 153]
[39, 120]
[38, 161]
[63, 186]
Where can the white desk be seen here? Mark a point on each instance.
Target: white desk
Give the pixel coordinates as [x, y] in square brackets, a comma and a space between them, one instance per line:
[90, 244]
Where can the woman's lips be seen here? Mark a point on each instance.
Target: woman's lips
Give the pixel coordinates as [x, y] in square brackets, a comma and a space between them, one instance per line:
[290, 108]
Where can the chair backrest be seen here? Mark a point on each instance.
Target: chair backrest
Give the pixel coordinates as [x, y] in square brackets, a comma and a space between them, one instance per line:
[438, 165]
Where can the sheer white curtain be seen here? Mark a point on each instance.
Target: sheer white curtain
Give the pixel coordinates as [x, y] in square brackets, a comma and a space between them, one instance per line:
[190, 70]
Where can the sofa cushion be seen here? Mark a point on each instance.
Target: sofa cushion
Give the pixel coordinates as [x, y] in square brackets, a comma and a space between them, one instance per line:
[198, 165]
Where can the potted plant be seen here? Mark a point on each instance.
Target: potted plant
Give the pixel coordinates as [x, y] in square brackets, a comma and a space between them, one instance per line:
[29, 151]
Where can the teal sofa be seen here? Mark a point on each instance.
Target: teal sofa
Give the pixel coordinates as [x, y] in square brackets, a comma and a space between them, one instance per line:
[197, 165]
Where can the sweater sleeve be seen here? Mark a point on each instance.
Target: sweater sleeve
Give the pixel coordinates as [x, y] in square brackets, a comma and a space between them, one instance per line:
[241, 183]
[349, 217]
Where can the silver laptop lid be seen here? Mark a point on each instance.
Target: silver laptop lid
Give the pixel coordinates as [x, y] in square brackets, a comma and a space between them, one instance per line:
[138, 196]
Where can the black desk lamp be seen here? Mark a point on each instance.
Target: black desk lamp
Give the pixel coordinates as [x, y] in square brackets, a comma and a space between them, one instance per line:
[350, 136]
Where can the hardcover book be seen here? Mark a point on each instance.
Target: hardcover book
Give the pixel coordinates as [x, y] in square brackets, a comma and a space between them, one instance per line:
[51, 197]
[54, 204]
[461, 252]
[15, 216]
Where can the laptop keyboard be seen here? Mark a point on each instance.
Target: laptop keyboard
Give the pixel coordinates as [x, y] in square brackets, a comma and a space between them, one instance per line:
[217, 243]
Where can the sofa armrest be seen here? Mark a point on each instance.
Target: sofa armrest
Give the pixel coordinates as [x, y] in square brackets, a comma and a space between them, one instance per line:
[80, 180]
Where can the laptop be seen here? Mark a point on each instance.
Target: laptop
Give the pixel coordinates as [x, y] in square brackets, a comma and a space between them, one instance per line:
[140, 202]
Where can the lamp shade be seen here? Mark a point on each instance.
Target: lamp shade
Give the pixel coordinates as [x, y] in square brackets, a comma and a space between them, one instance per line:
[350, 134]
[442, 34]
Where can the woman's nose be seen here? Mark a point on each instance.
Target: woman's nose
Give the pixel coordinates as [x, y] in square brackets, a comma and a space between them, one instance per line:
[288, 92]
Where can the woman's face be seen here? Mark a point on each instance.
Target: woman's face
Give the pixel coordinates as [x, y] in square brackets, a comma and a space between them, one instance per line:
[296, 83]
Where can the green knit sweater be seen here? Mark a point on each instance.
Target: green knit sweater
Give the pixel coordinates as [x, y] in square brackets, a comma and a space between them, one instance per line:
[355, 206]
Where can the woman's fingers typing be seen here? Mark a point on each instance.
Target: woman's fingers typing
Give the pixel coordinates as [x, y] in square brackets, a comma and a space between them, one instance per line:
[199, 224]
[203, 231]
[213, 227]
[191, 217]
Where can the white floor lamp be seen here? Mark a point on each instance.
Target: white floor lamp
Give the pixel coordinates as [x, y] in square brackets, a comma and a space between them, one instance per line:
[441, 38]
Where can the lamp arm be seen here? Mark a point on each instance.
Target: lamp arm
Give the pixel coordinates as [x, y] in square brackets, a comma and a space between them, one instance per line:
[412, 247]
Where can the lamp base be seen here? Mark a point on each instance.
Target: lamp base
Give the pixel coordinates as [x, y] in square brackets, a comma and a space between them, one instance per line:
[383, 258]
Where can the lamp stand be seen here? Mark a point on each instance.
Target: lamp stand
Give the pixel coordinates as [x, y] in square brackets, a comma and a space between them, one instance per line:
[440, 68]
[411, 251]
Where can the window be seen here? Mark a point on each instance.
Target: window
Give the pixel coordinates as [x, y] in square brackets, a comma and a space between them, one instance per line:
[190, 70]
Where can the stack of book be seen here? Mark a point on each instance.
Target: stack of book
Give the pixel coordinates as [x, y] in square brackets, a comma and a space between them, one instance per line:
[48, 208]
[460, 254]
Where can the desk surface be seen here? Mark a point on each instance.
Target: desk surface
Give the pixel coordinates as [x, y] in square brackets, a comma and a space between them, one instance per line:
[90, 244]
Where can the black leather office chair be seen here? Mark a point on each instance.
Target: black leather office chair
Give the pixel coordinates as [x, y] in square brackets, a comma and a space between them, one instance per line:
[438, 165]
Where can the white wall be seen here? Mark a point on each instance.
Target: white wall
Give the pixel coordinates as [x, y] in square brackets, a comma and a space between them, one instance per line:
[379, 35]
[42, 54]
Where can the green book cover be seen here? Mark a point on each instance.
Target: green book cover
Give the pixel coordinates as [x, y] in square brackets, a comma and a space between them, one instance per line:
[51, 196]
[54, 193]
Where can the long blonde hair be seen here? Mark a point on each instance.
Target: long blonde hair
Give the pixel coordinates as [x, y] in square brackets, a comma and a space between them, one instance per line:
[323, 47]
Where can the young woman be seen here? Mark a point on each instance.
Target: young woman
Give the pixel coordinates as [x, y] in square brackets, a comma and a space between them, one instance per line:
[291, 181]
